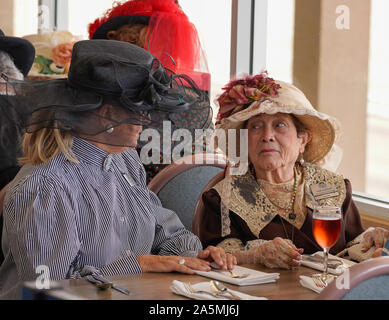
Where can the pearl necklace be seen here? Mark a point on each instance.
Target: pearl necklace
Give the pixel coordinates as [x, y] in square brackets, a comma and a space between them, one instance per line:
[289, 210]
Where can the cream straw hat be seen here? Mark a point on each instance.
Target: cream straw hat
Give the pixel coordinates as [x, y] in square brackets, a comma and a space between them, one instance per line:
[281, 97]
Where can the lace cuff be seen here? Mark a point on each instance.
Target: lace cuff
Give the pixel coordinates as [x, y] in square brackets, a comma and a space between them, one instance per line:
[253, 243]
[231, 245]
[358, 239]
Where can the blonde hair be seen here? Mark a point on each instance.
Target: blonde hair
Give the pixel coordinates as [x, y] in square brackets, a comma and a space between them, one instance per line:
[43, 145]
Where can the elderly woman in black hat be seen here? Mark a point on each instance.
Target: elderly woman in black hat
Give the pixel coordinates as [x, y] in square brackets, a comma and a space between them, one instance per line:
[80, 201]
[16, 58]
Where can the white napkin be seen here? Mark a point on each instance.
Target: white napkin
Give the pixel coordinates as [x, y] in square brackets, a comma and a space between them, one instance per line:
[320, 266]
[308, 282]
[254, 276]
[178, 288]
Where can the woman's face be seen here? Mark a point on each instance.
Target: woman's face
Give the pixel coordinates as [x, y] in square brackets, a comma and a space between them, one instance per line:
[273, 143]
[119, 137]
[131, 132]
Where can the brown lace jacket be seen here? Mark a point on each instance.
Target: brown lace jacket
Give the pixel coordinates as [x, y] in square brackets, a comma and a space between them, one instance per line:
[253, 217]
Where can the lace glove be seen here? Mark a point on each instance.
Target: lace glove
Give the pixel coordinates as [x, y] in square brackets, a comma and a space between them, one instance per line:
[367, 245]
[276, 253]
[253, 243]
[376, 237]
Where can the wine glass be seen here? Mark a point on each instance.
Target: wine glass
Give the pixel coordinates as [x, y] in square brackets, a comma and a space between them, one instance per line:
[326, 226]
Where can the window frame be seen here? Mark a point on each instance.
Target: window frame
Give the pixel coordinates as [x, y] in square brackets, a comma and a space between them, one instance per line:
[248, 36]
[371, 206]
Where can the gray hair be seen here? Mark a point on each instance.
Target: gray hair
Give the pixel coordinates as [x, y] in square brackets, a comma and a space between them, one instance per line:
[7, 66]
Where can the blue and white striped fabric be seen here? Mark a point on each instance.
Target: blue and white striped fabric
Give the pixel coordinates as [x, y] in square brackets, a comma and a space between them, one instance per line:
[66, 216]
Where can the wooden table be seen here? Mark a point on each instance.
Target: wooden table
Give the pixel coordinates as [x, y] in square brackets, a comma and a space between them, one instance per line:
[155, 286]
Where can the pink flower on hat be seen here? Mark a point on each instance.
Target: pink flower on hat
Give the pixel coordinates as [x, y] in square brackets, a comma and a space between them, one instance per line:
[242, 92]
[62, 54]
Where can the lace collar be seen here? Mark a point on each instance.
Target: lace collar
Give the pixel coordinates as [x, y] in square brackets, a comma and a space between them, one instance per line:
[249, 201]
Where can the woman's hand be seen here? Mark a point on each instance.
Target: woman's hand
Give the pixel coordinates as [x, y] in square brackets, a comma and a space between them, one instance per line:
[276, 253]
[219, 256]
[153, 263]
[376, 237]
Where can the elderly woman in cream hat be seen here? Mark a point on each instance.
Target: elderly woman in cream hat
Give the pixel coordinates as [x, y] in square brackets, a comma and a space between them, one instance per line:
[265, 215]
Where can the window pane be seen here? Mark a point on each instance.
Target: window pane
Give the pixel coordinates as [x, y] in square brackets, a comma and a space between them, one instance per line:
[213, 22]
[81, 13]
[25, 17]
[377, 160]
[280, 33]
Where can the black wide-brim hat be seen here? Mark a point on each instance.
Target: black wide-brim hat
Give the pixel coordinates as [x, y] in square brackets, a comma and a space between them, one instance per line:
[21, 50]
[116, 22]
[127, 80]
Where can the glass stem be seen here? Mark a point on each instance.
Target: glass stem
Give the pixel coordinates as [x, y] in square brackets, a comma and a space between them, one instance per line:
[325, 273]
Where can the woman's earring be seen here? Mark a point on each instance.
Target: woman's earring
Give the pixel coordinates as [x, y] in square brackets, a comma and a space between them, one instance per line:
[301, 161]
[109, 128]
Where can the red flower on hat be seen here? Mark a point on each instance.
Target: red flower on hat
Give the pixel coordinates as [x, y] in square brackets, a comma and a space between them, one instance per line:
[242, 92]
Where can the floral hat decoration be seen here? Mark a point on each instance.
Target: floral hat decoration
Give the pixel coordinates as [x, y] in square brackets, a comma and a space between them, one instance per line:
[242, 92]
[249, 96]
[53, 54]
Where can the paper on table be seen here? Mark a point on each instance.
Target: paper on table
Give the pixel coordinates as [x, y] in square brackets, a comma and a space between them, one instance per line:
[320, 266]
[254, 276]
[178, 288]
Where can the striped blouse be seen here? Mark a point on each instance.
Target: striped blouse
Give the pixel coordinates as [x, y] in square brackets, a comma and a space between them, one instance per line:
[97, 213]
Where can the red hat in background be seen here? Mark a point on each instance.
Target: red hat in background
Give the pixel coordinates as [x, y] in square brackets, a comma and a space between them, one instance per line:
[170, 36]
